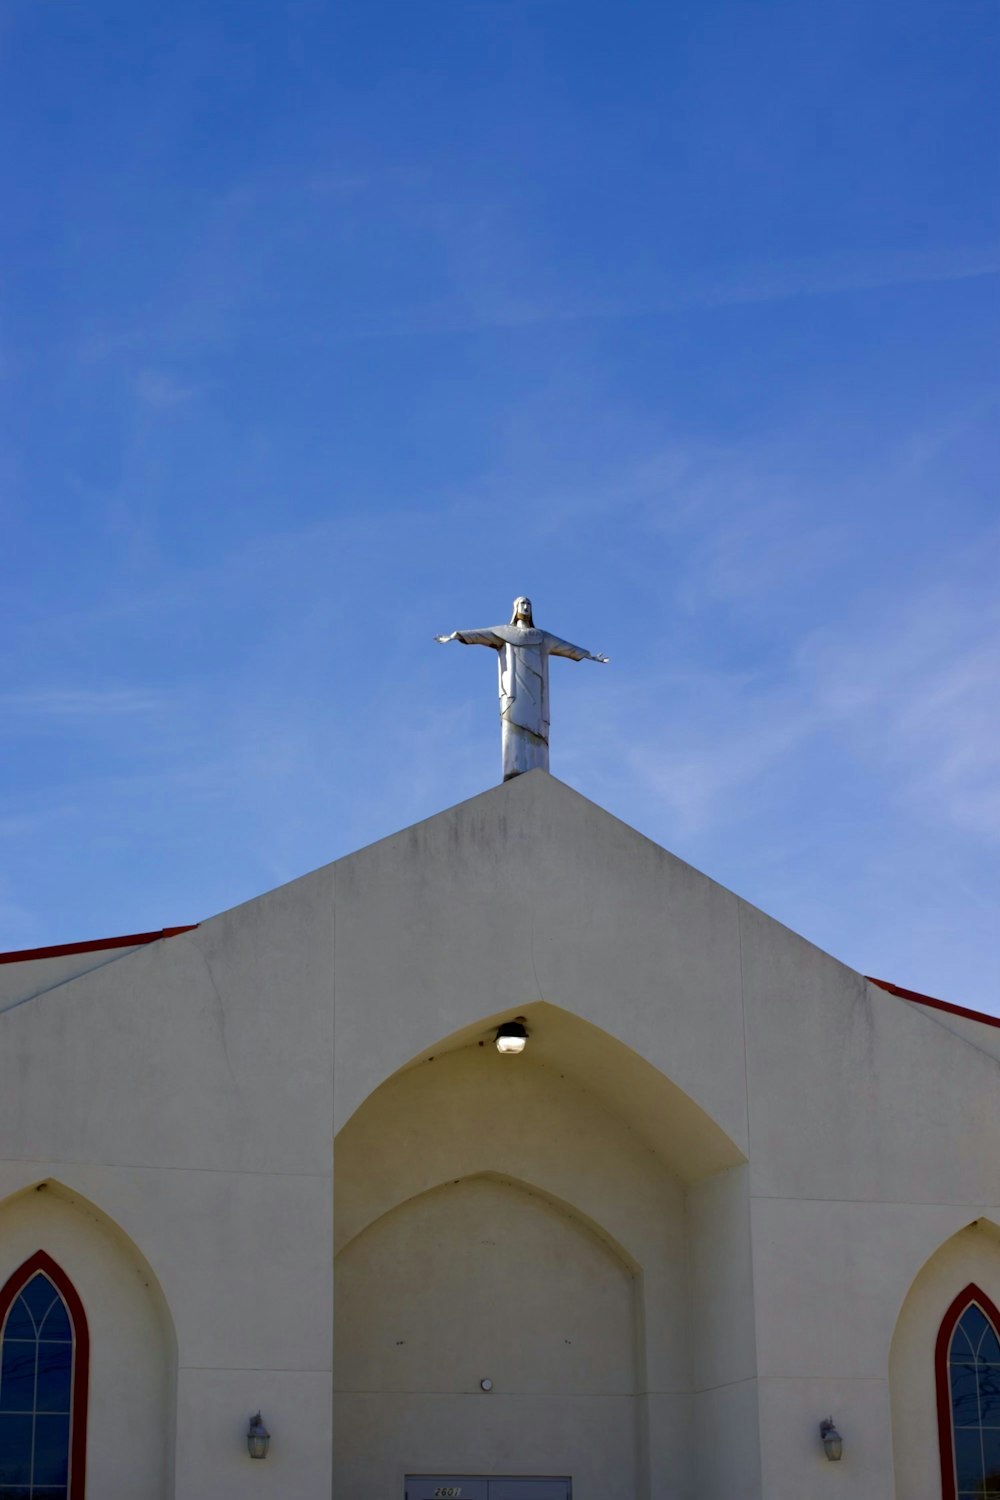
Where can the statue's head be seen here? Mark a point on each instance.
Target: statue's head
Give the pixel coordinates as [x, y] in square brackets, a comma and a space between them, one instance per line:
[522, 611]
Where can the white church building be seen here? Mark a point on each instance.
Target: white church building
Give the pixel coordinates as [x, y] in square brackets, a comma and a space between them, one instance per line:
[728, 1190]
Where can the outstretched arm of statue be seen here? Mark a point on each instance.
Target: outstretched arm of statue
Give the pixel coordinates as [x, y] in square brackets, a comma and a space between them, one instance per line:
[556, 647]
[486, 637]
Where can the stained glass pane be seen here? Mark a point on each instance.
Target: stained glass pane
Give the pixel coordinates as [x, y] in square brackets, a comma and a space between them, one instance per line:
[20, 1324]
[51, 1450]
[15, 1449]
[55, 1368]
[989, 1395]
[17, 1375]
[991, 1452]
[965, 1395]
[39, 1294]
[57, 1324]
[975, 1400]
[968, 1458]
[973, 1324]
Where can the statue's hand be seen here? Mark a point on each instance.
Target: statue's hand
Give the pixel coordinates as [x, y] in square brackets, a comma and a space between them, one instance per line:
[444, 639]
[600, 656]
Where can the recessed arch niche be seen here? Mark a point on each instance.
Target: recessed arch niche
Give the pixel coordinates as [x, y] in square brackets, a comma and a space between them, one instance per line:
[132, 1349]
[484, 1279]
[971, 1256]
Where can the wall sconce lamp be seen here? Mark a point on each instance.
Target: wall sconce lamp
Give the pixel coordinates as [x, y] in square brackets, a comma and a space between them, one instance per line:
[511, 1038]
[833, 1443]
[258, 1437]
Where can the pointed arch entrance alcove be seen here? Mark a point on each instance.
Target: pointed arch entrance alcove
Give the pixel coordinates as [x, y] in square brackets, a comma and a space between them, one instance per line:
[521, 1222]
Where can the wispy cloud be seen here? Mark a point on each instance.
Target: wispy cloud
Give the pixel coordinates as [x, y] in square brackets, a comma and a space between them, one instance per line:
[826, 276]
[733, 736]
[82, 703]
[161, 390]
[899, 686]
[722, 286]
[907, 689]
[916, 686]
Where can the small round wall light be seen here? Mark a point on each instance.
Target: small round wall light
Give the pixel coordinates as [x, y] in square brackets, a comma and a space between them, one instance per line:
[511, 1038]
[258, 1437]
[833, 1443]
[486, 1385]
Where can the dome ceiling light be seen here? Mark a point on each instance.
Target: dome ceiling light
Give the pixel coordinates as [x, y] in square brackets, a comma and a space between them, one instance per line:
[511, 1038]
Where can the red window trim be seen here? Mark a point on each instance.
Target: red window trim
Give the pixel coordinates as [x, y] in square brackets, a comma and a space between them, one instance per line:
[40, 1261]
[946, 1442]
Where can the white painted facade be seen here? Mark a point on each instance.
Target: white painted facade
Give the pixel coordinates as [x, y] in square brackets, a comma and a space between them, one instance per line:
[730, 1188]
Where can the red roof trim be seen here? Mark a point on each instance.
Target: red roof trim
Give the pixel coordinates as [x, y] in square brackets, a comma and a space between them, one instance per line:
[954, 1010]
[61, 950]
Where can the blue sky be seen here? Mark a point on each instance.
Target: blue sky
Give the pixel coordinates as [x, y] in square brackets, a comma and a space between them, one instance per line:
[330, 326]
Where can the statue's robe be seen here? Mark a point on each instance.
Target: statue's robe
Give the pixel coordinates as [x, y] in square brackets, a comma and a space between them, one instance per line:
[523, 661]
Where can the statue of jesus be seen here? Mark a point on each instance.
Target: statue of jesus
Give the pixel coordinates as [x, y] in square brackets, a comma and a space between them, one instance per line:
[523, 659]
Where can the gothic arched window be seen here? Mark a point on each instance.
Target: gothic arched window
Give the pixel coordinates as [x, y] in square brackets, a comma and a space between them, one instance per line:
[968, 1391]
[44, 1357]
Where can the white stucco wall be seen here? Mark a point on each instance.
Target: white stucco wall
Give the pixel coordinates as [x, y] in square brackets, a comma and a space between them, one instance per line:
[871, 1128]
[983, 1034]
[723, 1339]
[29, 977]
[192, 1090]
[185, 1089]
[529, 892]
[874, 1136]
